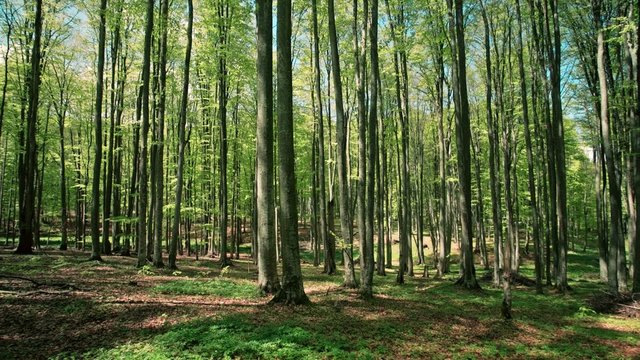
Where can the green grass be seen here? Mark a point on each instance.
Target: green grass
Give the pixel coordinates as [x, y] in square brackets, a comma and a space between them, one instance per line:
[216, 287]
[232, 337]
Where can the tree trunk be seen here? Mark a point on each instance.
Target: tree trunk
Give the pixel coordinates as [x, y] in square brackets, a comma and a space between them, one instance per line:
[223, 13]
[108, 189]
[292, 290]
[615, 197]
[322, 198]
[530, 173]
[142, 161]
[559, 152]
[359, 46]
[463, 136]
[27, 178]
[343, 179]
[367, 270]
[97, 161]
[267, 261]
[159, 158]
[635, 147]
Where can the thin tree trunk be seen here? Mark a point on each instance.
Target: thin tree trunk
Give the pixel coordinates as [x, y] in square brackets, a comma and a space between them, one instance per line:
[635, 146]
[223, 13]
[367, 270]
[322, 198]
[359, 46]
[343, 179]
[142, 161]
[97, 161]
[159, 158]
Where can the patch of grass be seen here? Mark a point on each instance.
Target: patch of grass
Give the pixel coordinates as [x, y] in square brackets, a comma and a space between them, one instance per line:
[216, 287]
[76, 306]
[234, 337]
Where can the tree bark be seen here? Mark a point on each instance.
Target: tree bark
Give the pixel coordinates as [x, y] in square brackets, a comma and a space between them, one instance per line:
[267, 261]
[27, 178]
[529, 147]
[97, 161]
[367, 270]
[343, 179]
[463, 136]
[322, 198]
[292, 290]
[142, 161]
[159, 158]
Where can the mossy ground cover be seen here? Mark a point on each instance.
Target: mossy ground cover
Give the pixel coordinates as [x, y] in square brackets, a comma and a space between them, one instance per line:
[113, 310]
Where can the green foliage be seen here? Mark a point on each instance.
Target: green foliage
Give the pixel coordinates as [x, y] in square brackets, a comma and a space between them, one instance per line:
[217, 287]
[146, 270]
[234, 337]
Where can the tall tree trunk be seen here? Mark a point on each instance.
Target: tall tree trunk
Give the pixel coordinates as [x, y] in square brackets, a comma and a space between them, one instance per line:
[97, 161]
[223, 13]
[559, 153]
[142, 161]
[175, 232]
[529, 148]
[360, 46]
[108, 189]
[132, 204]
[635, 149]
[443, 235]
[367, 270]
[118, 156]
[615, 199]
[463, 136]
[322, 198]
[292, 290]
[496, 203]
[343, 179]
[159, 158]
[27, 178]
[267, 261]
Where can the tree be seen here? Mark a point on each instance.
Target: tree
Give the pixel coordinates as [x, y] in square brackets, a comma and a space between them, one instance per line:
[360, 46]
[559, 150]
[367, 270]
[343, 181]
[182, 142]
[529, 148]
[636, 175]
[267, 269]
[223, 89]
[159, 148]
[97, 160]
[322, 193]
[463, 136]
[292, 290]
[141, 166]
[615, 197]
[61, 106]
[27, 203]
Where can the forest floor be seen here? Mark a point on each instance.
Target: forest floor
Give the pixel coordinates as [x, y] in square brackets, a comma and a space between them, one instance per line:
[59, 305]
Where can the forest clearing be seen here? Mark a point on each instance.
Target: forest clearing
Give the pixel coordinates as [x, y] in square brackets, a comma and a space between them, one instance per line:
[113, 310]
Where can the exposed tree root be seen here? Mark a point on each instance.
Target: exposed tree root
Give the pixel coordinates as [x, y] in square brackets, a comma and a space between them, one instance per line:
[38, 284]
